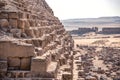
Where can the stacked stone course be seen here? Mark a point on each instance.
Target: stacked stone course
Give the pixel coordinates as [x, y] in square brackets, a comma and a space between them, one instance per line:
[33, 42]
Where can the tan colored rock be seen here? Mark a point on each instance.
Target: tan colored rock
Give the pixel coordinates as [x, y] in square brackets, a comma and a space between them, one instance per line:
[4, 23]
[30, 33]
[13, 23]
[33, 42]
[21, 24]
[39, 65]
[16, 32]
[13, 63]
[25, 63]
[3, 15]
[13, 15]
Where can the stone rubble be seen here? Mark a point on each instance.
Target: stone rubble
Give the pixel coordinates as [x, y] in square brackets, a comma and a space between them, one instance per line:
[92, 64]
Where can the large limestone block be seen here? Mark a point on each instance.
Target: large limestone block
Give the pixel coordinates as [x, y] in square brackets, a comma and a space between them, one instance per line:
[13, 23]
[13, 63]
[42, 43]
[35, 42]
[20, 14]
[4, 23]
[30, 32]
[39, 65]
[25, 63]
[2, 3]
[40, 32]
[3, 66]
[62, 61]
[13, 15]
[27, 24]
[32, 23]
[11, 49]
[52, 69]
[21, 24]
[36, 32]
[16, 32]
[3, 15]
[43, 23]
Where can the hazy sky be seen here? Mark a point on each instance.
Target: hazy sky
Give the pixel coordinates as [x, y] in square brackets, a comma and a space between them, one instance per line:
[65, 9]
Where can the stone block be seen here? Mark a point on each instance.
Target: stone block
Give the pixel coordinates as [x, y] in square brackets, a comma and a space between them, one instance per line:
[30, 33]
[16, 32]
[2, 3]
[25, 63]
[21, 24]
[13, 23]
[3, 66]
[32, 24]
[40, 32]
[62, 61]
[36, 32]
[20, 15]
[13, 63]
[42, 43]
[11, 49]
[35, 42]
[3, 15]
[13, 15]
[27, 24]
[39, 64]
[4, 23]
[52, 69]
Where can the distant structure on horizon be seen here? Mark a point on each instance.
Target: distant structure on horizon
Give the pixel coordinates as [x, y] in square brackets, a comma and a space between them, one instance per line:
[109, 30]
[81, 31]
[115, 30]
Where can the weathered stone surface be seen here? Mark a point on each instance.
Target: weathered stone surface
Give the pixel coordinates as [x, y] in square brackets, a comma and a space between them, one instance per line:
[16, 32]
[4, 23]
[13, 23]
[13, 15]
[33, 42]
[21, 24]
[3, 15]
[29, 33]
[3, 66]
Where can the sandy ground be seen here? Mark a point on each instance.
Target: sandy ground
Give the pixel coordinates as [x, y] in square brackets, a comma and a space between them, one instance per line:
[113, 42]
[108, 42]
[99, 63]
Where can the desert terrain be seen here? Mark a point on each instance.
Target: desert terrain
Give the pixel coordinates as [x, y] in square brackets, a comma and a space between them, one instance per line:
[97, 57]
[98, 40]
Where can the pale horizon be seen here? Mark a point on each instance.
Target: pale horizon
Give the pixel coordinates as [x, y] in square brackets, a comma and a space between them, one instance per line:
[70, 9]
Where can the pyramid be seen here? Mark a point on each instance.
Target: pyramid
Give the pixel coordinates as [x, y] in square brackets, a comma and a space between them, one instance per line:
[33, 42]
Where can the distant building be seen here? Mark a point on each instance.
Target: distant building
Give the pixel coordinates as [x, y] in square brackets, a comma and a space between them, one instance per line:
[84, 30]
[111, 30]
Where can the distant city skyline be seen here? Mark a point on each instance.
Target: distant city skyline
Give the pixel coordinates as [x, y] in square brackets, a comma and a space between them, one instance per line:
[69, 9]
